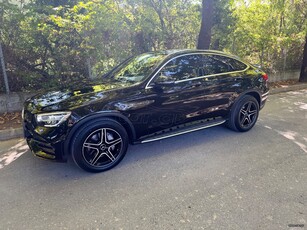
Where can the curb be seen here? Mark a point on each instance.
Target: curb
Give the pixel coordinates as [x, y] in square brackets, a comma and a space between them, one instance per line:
[18, 133]
[10, 134]
[289, 88]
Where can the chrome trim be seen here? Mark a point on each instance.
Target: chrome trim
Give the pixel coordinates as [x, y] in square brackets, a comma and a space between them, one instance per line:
[211, 75]
[263, 95]
[180, 133]
[182, 55]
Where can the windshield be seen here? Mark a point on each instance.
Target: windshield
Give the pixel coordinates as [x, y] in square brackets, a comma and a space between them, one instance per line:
[137, 68]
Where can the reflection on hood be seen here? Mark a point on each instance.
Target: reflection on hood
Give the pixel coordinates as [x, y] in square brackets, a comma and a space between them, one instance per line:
[70, 98]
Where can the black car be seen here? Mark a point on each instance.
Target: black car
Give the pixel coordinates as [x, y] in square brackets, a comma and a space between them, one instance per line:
[146, 98]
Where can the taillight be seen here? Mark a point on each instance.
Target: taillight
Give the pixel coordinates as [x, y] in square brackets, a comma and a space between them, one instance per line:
[265, 77]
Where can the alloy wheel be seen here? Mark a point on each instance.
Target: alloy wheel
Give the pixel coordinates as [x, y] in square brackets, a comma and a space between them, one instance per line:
[248, 114]
[102, 147]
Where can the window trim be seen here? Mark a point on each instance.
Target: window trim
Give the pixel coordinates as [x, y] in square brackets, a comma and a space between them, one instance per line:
[195, 78]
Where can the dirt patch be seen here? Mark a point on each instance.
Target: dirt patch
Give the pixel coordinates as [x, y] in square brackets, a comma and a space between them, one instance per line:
[10, 120]
[283, 84]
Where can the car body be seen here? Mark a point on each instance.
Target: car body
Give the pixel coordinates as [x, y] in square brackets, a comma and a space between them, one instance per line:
[149, 97]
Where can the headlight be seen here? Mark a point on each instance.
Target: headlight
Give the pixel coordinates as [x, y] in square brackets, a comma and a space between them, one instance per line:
[52, 119]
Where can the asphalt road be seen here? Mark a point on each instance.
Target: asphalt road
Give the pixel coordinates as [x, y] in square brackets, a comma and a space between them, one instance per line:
[210, 179]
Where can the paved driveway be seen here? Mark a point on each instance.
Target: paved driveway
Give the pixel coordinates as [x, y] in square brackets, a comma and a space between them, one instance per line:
[210, 179]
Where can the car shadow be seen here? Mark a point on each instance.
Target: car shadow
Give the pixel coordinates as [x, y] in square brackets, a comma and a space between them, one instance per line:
[137, 155]
[171, 146]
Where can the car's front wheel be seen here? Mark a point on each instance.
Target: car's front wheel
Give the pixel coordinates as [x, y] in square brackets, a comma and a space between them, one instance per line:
[99, 145]
[244, 114]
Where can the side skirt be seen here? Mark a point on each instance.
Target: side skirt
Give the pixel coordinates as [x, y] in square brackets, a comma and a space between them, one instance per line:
[182, 129]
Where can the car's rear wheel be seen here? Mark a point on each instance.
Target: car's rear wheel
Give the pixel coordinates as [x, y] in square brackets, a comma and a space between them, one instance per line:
[244, 114]
[99, 145]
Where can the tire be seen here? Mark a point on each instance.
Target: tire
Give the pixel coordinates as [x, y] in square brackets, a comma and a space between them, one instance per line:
[99, 145]
[244, 114]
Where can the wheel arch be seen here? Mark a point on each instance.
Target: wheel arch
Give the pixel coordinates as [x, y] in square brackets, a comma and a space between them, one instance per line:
[256, 95]
[253, 93]
[116, 116]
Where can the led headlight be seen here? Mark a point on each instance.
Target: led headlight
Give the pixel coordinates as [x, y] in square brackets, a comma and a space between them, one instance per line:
[52, 119]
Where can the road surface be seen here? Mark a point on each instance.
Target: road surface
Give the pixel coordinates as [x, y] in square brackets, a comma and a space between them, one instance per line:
[209, 179]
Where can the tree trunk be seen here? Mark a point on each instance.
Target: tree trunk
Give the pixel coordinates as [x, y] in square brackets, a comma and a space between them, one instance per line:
[303, 75]
[204, 38]
[6, 82]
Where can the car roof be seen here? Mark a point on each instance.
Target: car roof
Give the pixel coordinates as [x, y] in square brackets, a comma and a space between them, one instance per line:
[176, 52]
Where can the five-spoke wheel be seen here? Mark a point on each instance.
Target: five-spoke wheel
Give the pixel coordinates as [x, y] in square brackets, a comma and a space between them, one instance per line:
[248, 114]
[244, 114]
[100, 145]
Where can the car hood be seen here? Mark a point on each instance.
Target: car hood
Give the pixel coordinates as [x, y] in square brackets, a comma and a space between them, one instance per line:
[73, 97]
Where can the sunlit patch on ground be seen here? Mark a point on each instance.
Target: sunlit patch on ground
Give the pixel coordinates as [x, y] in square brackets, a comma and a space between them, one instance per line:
[13, 153]
[289, 134]
[302, 146]
[303, 106]
[304, 91]
[293, 136]
[289, 103]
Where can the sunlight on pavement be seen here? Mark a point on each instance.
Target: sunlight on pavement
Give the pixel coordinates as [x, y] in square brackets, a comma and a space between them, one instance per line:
[13, 153]
[293, 136]
[289, 134]
[298, 106]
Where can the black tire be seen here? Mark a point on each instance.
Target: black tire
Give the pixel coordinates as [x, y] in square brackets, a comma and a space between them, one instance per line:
[244, 114]
[99, 145]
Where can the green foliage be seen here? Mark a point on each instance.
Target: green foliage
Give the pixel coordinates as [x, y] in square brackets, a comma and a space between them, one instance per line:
[48, 43]
[55, 41]
[269, 32]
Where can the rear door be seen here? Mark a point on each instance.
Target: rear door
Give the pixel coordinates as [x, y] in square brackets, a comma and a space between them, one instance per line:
[222, 78]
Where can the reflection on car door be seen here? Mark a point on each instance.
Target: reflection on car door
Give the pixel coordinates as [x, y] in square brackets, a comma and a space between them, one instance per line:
[195, 90]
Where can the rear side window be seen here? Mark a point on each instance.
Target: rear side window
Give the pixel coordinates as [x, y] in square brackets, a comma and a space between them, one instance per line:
[234, 64]
[197, 65]
[213, 65]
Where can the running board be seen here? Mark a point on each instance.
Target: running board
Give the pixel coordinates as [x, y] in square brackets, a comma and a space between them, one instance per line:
[182, 129]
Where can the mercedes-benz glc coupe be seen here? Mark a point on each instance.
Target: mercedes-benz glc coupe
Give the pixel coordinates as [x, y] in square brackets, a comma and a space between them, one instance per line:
[148, 97]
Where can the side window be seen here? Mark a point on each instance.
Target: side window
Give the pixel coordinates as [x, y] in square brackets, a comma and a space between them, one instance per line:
[181, 68]
[237, 65]
[212, 65]
[233, 63]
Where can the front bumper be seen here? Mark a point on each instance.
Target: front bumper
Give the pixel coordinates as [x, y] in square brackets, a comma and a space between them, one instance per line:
[44, 143]
[47, 150]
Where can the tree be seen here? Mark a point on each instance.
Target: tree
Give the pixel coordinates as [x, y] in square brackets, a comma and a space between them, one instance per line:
[2, 62]
[204, 38]
[57, 41]
[303, 75]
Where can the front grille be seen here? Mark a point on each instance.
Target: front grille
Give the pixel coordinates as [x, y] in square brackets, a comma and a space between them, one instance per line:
[44, 146]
